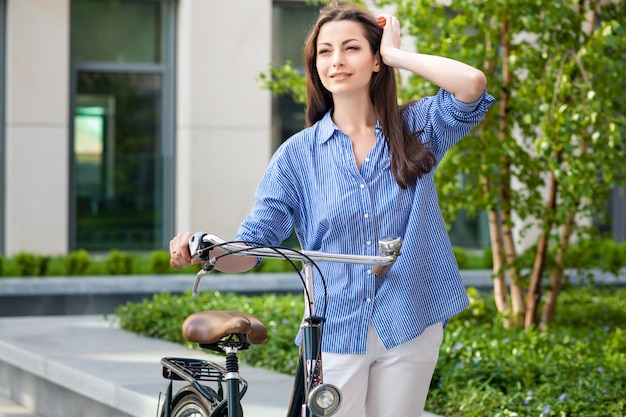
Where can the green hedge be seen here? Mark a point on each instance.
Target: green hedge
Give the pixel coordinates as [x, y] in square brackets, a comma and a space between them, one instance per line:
[575, 369]
[603, 254]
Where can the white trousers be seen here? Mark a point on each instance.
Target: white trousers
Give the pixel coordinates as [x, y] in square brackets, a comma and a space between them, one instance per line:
[385, 383]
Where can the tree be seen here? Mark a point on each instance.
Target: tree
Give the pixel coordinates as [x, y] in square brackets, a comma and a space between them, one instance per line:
[549, 151]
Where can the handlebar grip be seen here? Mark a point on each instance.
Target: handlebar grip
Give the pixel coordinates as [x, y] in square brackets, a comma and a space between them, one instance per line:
[197, 246]
[389, 246]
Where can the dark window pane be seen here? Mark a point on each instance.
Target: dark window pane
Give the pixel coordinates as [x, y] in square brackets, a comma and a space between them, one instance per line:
[117, 164]
[116, 31]
[292, 21]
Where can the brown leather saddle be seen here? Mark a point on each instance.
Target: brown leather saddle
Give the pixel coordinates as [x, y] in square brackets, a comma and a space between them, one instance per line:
[216, 329]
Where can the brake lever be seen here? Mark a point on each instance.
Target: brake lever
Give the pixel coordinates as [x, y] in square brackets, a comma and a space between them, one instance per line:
[199, 249]
[196, 284]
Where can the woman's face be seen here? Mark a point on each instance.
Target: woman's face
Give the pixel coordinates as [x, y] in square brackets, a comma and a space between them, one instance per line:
[344, 59]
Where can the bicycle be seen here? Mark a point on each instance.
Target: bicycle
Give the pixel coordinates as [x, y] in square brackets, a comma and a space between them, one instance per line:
[230, 331]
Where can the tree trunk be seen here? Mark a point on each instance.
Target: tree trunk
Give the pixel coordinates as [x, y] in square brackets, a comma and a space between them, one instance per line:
[556, 278]
[499, 282]
[516, 290]
[534, 288]
[506, 245]
[495, 233]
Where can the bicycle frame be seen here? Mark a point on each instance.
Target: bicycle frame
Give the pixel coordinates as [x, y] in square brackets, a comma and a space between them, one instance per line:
[319, 399]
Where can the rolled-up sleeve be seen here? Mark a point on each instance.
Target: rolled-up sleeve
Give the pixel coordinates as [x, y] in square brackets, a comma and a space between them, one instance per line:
[444, 119]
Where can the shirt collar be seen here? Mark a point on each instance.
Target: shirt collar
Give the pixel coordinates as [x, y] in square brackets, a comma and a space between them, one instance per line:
[326, 127]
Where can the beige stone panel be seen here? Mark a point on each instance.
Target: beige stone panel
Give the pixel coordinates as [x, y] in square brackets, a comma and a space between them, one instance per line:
[36, 199]
[223, 136]
[225, 171]
[37, 64]
[183, 181]
[222, 49]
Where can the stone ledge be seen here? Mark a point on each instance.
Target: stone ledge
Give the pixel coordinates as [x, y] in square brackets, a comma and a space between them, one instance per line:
[102, 294]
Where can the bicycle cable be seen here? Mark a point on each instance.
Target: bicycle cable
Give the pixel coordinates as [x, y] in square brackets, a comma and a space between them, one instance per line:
[279, 250]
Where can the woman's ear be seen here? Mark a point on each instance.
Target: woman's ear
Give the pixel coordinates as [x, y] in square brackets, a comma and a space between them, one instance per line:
[377, 61]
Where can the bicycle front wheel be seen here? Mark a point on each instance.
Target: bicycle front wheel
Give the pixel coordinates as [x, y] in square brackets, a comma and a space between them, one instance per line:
[191, 405]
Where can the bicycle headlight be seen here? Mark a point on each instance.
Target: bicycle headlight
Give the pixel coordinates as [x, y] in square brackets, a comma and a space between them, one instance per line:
[324, 400]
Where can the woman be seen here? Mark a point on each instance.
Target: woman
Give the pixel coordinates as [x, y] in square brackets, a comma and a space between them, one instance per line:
[362, 170]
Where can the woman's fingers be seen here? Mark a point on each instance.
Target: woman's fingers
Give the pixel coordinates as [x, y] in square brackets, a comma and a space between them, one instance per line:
[387, 20]
[179, 250]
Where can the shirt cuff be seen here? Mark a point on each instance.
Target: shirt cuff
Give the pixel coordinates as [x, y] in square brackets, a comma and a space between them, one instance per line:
[467, 107]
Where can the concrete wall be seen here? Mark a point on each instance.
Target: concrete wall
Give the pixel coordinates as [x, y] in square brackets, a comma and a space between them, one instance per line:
[224, 118]
[36, 135]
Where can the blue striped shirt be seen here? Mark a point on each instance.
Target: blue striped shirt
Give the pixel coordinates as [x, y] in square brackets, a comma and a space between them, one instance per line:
[312, 183]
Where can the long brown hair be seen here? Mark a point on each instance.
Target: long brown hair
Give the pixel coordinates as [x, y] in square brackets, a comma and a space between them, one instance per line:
[410, 159]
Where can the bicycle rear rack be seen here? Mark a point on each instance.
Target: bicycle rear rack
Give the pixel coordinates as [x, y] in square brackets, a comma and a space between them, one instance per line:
[196, 370]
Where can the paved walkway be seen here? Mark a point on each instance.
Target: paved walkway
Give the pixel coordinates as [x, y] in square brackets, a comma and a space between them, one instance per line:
[86, 365]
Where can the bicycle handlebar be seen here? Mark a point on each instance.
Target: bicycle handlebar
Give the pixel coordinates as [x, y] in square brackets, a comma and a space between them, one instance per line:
[390, 249]
[201, 243]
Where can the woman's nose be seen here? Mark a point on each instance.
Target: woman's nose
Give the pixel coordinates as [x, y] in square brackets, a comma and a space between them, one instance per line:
[337, 59]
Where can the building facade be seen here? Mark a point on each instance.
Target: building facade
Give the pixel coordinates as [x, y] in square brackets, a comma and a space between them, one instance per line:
[124, 121]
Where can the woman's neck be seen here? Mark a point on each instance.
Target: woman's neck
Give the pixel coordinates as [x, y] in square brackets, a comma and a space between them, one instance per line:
[353, 115]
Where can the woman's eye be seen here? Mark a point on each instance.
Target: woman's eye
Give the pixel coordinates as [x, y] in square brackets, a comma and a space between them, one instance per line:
[322, 51]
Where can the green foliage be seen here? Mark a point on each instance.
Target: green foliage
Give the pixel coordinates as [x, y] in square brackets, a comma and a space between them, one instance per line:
[603, 254]
[119, 263]
[483, 370]
[560, 85]
[574, 370]
[461, 257]
[42, 265]
[76, 262]
[487, 257]
[29, 264]
[162, 317]
[160, 262]
[277, 266]
[586, 254]
[285, 80]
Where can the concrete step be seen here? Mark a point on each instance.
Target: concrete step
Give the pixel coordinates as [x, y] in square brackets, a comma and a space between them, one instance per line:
[9, 408]
[64, 366]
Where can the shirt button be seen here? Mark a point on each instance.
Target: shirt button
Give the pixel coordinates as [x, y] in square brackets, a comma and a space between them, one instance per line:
[369, 272]
[362, 185]
[367, 159]
[368, 300]
[366, 216]
[369, 242]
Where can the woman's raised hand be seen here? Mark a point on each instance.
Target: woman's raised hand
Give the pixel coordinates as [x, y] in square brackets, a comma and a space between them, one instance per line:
[391, 35]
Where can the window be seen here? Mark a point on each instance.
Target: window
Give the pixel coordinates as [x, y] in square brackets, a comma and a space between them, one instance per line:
[123, 118]
[291, 23]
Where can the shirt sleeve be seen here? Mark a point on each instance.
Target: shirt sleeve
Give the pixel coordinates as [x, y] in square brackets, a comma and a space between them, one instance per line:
[444, 120]
[270, 221]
